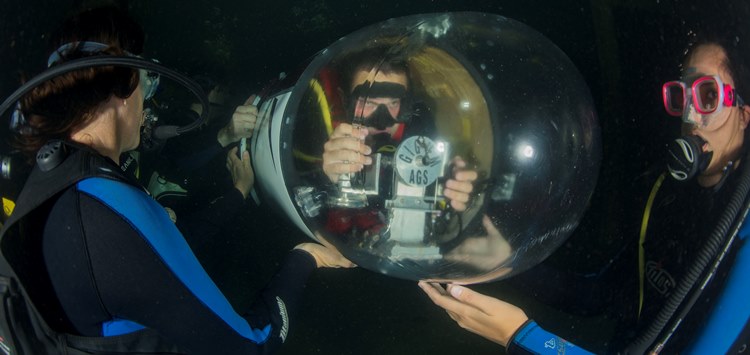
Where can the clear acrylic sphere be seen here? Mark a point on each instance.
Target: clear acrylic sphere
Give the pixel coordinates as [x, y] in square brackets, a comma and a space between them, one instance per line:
[483, 94]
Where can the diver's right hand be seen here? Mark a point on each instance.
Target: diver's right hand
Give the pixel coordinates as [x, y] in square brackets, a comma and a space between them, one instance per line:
[459, 187]
[325, 256]
[485, 253]
[241, 125]
[345, 151]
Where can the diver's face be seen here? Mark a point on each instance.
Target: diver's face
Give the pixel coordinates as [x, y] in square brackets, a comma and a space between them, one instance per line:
[724, 137]
[366, 106]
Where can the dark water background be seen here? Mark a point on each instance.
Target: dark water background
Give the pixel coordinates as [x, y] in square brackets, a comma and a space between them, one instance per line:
[624, 49]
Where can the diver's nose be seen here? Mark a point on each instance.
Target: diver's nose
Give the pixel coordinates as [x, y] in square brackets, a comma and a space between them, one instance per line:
[694, 129]
[692, 116]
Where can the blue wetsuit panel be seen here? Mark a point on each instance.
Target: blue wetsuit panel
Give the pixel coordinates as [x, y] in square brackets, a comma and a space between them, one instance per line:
[152, 222]
[732, 310]
[532, 339]
[120, 327]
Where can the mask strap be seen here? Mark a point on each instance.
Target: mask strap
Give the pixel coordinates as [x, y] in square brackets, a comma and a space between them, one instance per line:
[85, 46]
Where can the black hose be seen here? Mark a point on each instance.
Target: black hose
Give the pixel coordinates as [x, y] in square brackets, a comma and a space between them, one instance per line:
[727, 247]
[707, 253]
[124, 61]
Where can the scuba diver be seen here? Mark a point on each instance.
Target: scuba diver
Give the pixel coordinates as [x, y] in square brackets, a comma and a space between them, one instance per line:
[362, 156]
[378, 90]
[680, 214]
[100, 265]
[183, 173]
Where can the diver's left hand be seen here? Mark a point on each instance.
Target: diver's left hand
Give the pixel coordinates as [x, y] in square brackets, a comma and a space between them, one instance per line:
[243, 176]
[241, 125]
[458, 188]
[488, 317]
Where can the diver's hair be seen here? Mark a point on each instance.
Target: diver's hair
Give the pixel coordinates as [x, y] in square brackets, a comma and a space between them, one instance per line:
[384, 59]
[734, 64]
[60, 106]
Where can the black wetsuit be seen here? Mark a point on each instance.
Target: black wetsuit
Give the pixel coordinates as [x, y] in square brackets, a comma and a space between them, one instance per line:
[117, 264]
[681, 218]
[197, 163]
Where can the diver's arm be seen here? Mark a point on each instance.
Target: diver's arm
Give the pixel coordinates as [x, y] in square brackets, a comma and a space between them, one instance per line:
[281, 298]
[496, 320]
[532, 339]
[151, 277]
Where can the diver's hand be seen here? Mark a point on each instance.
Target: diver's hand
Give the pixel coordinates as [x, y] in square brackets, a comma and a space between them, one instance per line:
[484, 252]
[458, 188]
[243, 176]
[325, 256]
[345, 151]
[488, 317]
[241, 125]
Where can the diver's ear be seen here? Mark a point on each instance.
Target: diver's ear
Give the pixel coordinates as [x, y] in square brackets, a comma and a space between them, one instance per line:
[744, 116]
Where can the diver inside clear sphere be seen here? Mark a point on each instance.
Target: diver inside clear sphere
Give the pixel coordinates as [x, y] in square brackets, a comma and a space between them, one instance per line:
[429, 147]
[391, 157]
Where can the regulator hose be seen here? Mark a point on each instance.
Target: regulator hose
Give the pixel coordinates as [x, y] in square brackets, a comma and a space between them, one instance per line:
[716, 242]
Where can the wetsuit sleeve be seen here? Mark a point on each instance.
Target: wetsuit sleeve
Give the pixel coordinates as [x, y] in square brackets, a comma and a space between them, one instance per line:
[147, 275]
[532, 339]
[282, 296]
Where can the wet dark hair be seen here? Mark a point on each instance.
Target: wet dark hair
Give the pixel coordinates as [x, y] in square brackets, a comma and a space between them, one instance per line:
[58, 107]
[384, 58]
[734, 64]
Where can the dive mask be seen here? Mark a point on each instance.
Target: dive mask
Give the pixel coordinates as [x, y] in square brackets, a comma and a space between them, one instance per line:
[149, 83]
[380, 119]
[699, 102]
[379, 104]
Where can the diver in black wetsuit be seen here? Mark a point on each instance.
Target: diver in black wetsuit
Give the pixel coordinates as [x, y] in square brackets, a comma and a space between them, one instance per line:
[96, 255]
[185, 172]
[199, 176]
[680, 212]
